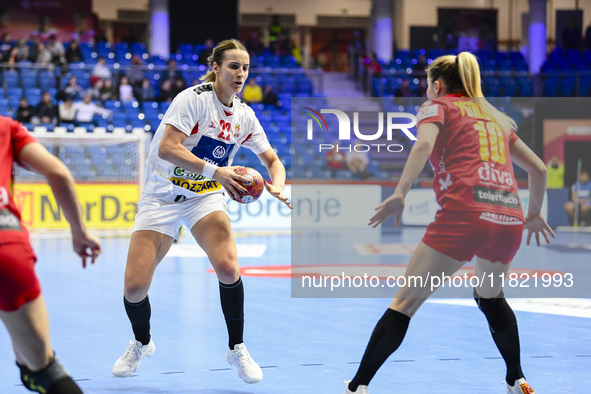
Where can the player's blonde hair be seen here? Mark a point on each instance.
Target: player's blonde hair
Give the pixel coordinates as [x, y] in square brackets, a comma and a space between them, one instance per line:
[217, 56]
[461, 74]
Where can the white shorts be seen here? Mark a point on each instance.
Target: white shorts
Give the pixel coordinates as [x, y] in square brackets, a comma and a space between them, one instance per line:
[161, 213]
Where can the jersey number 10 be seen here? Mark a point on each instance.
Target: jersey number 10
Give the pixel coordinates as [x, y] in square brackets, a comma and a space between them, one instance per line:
[492, 141]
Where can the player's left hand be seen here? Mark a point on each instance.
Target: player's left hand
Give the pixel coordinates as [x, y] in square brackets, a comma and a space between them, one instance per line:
[535, 224]
[87, 246]
[277, 192]
[393, 205]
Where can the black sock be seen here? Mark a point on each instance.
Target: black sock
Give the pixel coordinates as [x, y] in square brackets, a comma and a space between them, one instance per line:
[64, 386]
[232, 298]
[139, 316]
[385, 339]
[503, 327]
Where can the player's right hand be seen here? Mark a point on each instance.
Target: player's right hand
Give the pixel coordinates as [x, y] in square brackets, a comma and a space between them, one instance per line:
[393, 205]
[229, 180]
[87, 246]
[535, 224]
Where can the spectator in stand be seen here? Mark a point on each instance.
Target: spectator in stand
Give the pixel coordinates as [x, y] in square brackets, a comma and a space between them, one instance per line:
[571, 36]
[5, 48]
[252, 93]
[74, 54]
[335, 160]
[422, 88]
[269, 96]
[95, 91]
[86, 109]
[281, 46]
[421, 64]
[108, 91]
[83, 32]
[178, 86]
[44, 56]
[72, 90]
[45, 28]
[171, 73]
[357, 163]
[145, 92]
[404, 89]
[34, 50]
[165, 91]
[101, 70]
[372, 64]
[21, 51]
[206, 52]
[555, 173]
[581, 196]
[254, 45]
[24, 112]
[46, 111]
[57, 50]
[125, 90]
[135, 72]
[67, 111]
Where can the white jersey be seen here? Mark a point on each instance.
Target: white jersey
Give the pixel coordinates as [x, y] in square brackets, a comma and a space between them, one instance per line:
[214, 133]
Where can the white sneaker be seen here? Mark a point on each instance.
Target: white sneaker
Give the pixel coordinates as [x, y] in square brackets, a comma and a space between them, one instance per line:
[248, 369]
[130, 361]
[361, 389]
[520, 387]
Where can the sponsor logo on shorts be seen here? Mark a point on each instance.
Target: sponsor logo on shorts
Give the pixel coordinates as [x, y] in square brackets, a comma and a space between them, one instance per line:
[500, 218]
[491, 196]
[199, 187]
[8, 221]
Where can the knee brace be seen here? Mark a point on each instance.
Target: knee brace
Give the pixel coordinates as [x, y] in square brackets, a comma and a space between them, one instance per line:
[41, 381]
[497, 311]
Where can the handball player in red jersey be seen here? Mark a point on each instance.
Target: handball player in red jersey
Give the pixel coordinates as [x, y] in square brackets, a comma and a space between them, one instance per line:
[470, 145]
[22, 308]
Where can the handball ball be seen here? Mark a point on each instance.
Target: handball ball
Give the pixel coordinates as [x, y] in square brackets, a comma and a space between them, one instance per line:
[254, 186]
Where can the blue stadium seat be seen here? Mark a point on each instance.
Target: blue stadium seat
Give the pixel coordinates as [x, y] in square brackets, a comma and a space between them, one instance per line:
[567, 86]
[551, 86]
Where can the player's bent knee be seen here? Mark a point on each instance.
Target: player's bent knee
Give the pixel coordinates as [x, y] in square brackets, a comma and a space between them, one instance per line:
[46, 379]
[497, 311]
[227, 272]
[135, 291]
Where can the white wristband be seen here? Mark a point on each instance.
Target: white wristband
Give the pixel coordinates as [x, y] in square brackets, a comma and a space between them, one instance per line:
[209, 170]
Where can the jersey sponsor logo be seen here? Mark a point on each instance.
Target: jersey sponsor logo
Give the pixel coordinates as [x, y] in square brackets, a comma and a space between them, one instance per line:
[492, 196]
[199, 187]
[488, 173]
[428, 112]
[8, 221]
[219, 152]
[178, 171]
[213, 151]
[445, 184]
[212, 125]
[500, 218]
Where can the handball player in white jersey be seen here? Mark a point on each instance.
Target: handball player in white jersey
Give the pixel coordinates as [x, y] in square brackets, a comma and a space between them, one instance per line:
[187, 175]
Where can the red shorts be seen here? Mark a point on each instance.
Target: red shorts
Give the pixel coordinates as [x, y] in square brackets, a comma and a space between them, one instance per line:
[18, 282]
[463, 235]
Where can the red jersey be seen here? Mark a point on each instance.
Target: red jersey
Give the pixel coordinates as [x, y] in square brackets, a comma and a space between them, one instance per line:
[470, 160]
[13, 137]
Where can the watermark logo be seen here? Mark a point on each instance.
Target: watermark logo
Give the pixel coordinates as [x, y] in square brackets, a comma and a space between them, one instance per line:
[394, 121]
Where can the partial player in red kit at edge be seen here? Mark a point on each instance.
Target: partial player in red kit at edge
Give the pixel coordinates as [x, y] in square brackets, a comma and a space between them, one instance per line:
[470, 145]
[22, 308]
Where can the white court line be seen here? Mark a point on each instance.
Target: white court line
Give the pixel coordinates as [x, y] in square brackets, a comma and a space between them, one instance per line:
[193, 250]
[577, 307]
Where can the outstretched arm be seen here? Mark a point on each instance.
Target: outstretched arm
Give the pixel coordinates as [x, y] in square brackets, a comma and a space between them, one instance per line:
[277, 173]
[37, 158]
[537, 172]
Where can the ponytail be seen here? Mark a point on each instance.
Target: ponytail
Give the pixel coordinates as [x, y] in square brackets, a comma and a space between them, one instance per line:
[461, 74]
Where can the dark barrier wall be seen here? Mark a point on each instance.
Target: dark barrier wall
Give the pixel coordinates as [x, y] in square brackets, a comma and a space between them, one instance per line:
[556, 200]
[192, 22]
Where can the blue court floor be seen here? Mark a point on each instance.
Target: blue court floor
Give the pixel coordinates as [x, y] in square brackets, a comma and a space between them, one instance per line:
[305, 346]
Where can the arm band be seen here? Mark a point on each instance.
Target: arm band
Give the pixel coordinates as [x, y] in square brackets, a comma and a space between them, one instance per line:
[209, 170]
